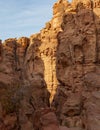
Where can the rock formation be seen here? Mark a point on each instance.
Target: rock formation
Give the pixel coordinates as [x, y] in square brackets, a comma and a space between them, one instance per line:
[22, 86]
[78, 67]
[60, 65]
[45, 119]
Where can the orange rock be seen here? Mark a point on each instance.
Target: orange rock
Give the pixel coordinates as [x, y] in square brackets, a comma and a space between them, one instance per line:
[60, 64]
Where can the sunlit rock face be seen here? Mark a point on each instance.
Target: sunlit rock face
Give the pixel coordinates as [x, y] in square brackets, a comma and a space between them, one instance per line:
[49, 44]
[57, 66]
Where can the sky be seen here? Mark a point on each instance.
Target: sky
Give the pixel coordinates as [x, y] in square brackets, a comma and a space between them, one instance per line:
[23, 17]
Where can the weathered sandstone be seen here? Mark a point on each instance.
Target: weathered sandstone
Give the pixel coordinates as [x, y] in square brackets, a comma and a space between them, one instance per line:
[78, 67]
[59, 66]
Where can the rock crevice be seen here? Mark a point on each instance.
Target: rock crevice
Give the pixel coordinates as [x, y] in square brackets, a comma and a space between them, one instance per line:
[61, 63]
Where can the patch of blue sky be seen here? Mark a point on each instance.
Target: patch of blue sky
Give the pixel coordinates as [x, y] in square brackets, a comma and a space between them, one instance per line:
[23, 17]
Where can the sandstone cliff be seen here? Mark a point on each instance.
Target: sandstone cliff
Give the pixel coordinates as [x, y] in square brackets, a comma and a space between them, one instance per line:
[61, 64]
[78, 66]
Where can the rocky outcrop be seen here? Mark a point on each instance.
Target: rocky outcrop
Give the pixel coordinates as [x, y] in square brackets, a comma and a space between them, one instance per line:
[61, 64]
[48, 37]
[45, 44]
[22, 85]
[46, 119]
[77, 98]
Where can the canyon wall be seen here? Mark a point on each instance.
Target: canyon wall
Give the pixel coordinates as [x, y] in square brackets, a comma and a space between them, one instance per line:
[77, 100]
[22, 86]
[48, 36]
[60, 65]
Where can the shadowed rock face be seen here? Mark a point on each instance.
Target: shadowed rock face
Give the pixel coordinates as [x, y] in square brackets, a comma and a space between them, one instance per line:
[45, 119]
[22, 85]
[61, 63]
[77, 68]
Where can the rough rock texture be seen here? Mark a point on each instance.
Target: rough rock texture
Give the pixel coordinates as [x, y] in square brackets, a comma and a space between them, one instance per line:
[47, 50]
[45, 119]
[61, 63]
[78, 66]
[22, 87]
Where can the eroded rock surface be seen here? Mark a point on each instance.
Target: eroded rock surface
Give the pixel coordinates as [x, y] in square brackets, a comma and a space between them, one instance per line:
[22, 85]
[78, 67]
[60, 65]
